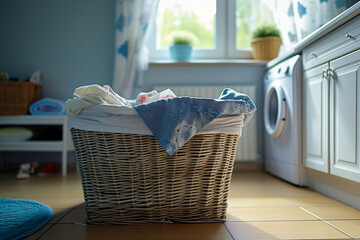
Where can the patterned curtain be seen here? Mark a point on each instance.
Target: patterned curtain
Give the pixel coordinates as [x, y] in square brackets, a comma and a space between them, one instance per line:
[133, 23]
[285, 21]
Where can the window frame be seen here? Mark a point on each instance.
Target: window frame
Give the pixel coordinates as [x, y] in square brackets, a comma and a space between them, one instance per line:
[232, 51]
[225, 38]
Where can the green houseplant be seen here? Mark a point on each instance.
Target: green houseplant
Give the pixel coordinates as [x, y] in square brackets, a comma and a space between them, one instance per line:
[181, 43]
[266, 42]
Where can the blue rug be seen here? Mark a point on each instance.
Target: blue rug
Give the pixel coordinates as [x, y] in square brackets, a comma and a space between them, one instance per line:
[21, 218]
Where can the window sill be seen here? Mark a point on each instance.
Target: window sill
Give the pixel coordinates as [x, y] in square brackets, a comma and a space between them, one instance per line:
[213, 62]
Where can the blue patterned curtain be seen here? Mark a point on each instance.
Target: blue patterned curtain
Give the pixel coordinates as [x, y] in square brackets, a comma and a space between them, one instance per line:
[312, 14]
[285, 20]
[133, 23]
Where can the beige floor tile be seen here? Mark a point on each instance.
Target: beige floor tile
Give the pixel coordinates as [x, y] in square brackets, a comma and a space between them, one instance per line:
[236, 185]
[55, 202]
[265, 179]
[10, 194]
[77, 215]
[45, 192]
[292, 191]
[82, 205]
[283, 230]
[59, 213]
[39, 233]
[279, 187]
[247, 191]
[267, 203]
[237, 178]
[63, 185]
[351, 227]
[258, 202]
[159, 232]
[11, 191]
[335, 213]
[255, 175]
[268, 214]
[320, 201]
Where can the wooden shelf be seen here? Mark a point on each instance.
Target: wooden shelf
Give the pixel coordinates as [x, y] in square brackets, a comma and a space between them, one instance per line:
[62, 146]
[49, 146]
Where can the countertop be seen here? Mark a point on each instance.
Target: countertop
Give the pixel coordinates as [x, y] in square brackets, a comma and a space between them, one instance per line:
[339, 20]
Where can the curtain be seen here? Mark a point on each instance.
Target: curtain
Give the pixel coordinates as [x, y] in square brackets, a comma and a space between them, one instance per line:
[285, 20]
[133, 23]
[299, 18]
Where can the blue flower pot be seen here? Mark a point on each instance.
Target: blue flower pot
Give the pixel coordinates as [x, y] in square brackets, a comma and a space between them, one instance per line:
[180, 52]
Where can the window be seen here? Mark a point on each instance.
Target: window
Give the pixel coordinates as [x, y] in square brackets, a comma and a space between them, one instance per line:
[250, 14]
[187, 15]
[223, 27]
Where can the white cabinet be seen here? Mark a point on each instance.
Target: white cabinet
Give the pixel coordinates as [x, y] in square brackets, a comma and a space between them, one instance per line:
[344, 77]
[64, 145]
[331, 84]
[316, 96]
[332, 113]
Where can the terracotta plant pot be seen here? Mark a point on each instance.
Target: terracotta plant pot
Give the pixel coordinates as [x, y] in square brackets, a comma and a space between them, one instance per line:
[265, 48]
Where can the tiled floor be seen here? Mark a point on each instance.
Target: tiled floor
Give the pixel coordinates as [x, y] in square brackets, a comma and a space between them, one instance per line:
[260, 207]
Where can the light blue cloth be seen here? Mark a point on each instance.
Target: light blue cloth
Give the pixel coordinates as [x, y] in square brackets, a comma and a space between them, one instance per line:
[173, 121]
[48, 106]
[21, 218]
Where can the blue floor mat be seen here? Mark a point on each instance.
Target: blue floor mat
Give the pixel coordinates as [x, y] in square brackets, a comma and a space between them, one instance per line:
[21, 218]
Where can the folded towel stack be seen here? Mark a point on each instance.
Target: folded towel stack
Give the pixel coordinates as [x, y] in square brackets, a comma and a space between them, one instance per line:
[48, 106]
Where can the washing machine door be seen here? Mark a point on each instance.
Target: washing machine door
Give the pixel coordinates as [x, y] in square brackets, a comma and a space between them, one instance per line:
[274, 109]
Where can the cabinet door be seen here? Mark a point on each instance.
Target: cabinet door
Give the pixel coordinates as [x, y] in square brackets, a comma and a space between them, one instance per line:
[316, 115]
[344, 117]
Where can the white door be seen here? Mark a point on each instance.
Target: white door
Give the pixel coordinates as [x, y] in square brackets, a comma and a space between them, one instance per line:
[274, 109]
[316, 105]
[345, 117]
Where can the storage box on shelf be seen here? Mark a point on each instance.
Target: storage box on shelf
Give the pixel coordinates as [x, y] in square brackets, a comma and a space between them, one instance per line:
[64, 145]
[16, 97]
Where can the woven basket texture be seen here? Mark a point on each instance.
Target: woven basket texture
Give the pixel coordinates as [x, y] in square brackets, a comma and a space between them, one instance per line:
[266, 48]
[17, 97]
[130, 179]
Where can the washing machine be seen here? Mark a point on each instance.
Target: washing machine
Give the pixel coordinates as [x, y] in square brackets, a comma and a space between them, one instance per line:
[282, 119]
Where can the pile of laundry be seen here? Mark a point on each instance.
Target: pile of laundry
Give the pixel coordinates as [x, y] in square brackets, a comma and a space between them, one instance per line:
[94, 94]
[171, 119]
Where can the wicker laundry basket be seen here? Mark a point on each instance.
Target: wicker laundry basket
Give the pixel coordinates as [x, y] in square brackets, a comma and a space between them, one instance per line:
[130, 179]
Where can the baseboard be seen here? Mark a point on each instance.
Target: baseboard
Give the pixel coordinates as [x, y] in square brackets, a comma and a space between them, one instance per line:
[341, 189]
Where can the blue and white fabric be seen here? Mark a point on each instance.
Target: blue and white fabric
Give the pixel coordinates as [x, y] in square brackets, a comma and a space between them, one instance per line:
[133, 23]
[312, 14]
[285, 21]
[173, 121]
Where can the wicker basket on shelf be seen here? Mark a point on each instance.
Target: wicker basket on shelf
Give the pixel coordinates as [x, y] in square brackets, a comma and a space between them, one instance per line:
[17, 97]
[130, 179]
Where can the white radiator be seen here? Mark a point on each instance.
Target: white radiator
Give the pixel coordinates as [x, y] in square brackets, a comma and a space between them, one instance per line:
[247, 149]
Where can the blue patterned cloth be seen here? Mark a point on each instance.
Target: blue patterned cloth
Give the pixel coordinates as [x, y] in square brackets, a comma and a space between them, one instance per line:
[173, 121]
[21, 218]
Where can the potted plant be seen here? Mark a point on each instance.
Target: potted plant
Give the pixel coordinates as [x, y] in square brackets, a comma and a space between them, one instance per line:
[266, 42]
[181, 43]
